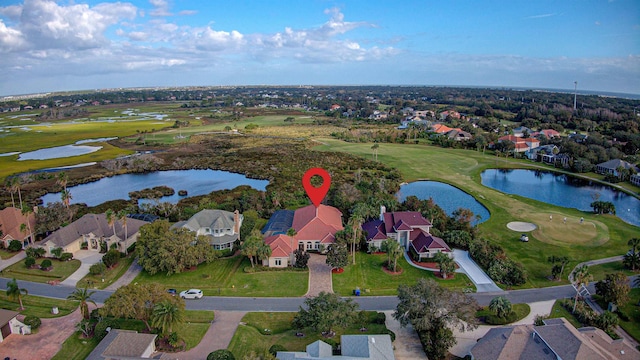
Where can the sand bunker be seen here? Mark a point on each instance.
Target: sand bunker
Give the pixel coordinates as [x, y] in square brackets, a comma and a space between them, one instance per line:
[521, 226]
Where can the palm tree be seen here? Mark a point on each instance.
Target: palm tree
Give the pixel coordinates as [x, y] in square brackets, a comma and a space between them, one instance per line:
[632, 258]
[9, 185]
[394, 250]
[84, 297]
[375, 148]
[26, 212]
[122, 216]
[66, 197]
[14, 291]
[500, 306]
[165, 316]
[445, 263]
[62, 179]
[581, 277]
[14, 186]
[356, 223]
[111, 220]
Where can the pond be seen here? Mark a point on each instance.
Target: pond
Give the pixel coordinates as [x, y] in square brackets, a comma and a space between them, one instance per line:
[562, 190]
[196, 182]
[448, 197]
[58, 152]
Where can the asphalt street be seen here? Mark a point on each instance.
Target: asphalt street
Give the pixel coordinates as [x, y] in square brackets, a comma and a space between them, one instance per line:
[379, 303]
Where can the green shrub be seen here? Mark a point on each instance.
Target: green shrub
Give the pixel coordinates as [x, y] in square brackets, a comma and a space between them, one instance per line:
[34, 252]
[392, 335]
[100, 330]
[66, 256]
[111, 258]
[222, 354]
[97, 269]
[32, 321]
[15, 245]
[380, 318]
[57, 252]
[46, 264]
[273, 350]
[29, 261]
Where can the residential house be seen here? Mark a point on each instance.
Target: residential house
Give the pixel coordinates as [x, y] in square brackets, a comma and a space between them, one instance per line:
[577, 137]
[409, 228]
[442, 129]
[520, 144]
[11, 220]
[352, 347]
[548, 133]
[459, 135]
[635, 179]
[94, 230]
[221, 227]
[124, 344]
[315, 229]
[450, 113]
[544, 153]
[9, 324]
[611, 167]
[556, 339]
[521, 131]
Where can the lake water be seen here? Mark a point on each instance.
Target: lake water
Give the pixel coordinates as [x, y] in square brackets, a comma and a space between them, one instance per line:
[448, 197]
[196, 182]
[58, 152]
[562, 190]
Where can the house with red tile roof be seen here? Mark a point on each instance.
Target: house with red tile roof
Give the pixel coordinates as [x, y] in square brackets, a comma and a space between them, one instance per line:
[11, 220]
[409, 228]
[315, 229]
[520, 144]
[548, 133]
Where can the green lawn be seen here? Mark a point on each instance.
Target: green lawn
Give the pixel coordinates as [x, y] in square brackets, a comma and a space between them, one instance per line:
[226, 277]
[6, 254]
[600, 271]
[368, 275]
[632, 310]
[110, 275]
[607, 236]
[519, 312]
[558, 311]
[61, 270]
[196, 324]
[251, 335]
[38, 306]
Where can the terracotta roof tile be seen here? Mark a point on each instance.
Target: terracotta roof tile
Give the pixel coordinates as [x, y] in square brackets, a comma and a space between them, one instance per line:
[11, 219]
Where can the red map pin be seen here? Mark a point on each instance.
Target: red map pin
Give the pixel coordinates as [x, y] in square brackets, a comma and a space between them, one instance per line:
[316, 194]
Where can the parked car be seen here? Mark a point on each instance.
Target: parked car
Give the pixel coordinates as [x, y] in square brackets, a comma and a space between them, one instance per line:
[191, 294]
[173, 292]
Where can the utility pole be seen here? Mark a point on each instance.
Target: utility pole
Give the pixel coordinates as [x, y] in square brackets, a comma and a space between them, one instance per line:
[575, 95]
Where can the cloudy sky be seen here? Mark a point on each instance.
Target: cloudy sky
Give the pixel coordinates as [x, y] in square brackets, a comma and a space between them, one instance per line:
[72, 45]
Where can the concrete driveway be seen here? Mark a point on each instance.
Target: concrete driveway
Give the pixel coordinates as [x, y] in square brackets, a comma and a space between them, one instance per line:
[88, 258]
[467, 266]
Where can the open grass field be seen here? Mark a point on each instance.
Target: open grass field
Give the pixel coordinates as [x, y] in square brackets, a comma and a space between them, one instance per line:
[367, 274]
[38, 306]
[250, 335]
[600, 271]
[226, 277]
[461, 168]
[61, 270]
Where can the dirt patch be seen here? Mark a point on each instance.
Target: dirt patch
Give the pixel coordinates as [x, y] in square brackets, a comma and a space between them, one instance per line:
[391, 272]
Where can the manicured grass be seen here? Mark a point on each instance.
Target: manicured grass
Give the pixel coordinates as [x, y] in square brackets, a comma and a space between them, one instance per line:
[196, 324]
[250, 335]
[226, 277]
[518, 312]
[600, 271]
[76, 348]
[368, 275]
[558, 311]
[38, 306]
[6, 254]
[110, 275]
[61, 270]
[632, 310]
[462, 168]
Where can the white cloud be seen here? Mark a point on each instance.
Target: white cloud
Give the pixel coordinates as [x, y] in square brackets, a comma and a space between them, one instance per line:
[161, 8]
[10, 39]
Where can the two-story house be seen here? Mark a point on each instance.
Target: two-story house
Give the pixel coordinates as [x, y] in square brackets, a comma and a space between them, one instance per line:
[221, 227]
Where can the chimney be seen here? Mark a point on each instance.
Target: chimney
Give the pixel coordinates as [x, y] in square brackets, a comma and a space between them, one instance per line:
[236, 222]
[383, 210]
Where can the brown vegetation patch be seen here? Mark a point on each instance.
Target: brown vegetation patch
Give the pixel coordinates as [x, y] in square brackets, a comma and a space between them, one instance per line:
[398, 271]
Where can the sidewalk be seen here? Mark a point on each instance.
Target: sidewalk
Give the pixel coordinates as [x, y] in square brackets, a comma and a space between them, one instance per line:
[14, 259]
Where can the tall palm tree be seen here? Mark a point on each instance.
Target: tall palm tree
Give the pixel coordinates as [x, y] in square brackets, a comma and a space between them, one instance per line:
[111, 219]
[122, 216]
[581, 277]
[632, 258]
[84, 297]
[166, 315]
[9, 185]
[356, 223]
[26, 212]
[14, 185]
[15, 292]
[66, 197]
[62, 179]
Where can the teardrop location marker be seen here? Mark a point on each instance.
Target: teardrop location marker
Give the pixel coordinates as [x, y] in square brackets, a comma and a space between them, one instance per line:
[316, 194]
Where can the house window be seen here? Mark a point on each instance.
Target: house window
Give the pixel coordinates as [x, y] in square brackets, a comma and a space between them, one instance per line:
[309, 245]
[278, 262]
[316, 245]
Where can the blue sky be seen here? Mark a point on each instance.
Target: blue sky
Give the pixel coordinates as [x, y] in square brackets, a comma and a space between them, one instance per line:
[70, 45]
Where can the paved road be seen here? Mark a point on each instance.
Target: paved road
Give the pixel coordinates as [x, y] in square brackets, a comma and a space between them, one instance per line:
[379, 303]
